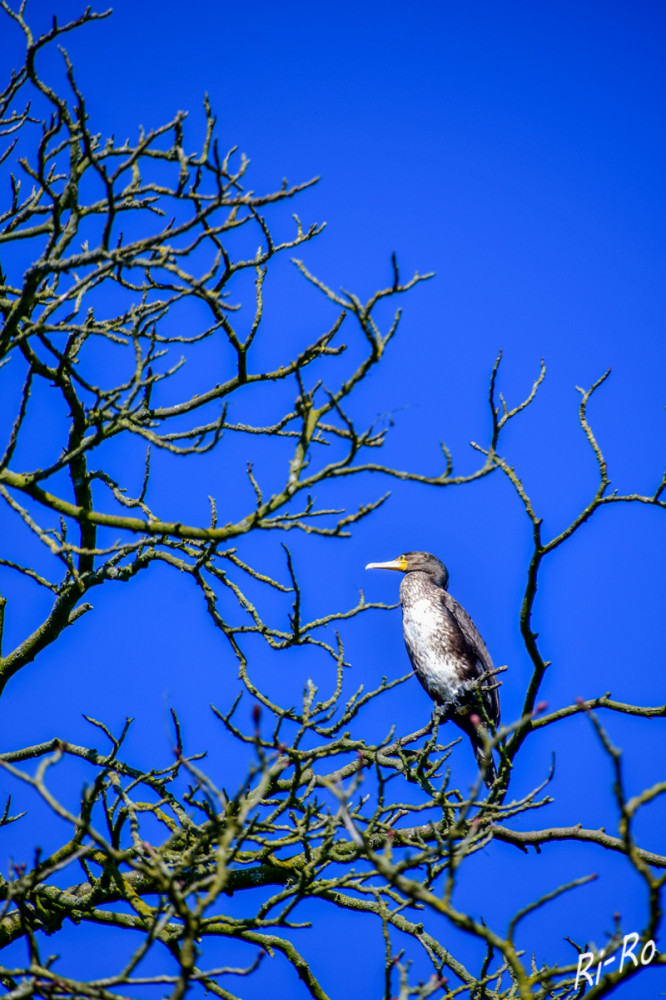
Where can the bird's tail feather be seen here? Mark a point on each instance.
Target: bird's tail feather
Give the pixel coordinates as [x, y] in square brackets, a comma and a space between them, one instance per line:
[484, 758]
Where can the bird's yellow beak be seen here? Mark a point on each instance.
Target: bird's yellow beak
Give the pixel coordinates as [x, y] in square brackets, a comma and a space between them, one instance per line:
[400, 564]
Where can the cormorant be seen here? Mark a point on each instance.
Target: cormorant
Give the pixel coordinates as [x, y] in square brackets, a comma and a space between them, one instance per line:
[447, 652]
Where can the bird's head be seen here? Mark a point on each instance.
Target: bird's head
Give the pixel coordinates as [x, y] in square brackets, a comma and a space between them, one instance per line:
[417, 562]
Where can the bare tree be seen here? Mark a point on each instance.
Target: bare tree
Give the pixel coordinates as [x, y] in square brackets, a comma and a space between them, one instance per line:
[131, 244]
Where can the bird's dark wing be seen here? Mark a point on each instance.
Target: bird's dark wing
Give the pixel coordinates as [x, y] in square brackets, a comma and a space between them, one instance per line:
[477, 653]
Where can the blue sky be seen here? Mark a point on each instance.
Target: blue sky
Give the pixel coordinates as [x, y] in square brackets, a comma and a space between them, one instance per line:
[518, 151]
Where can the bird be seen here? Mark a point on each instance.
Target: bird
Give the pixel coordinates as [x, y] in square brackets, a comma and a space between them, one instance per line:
[449, 656]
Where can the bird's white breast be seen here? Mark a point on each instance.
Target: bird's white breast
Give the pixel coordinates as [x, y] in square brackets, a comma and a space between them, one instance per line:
[436, 666]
